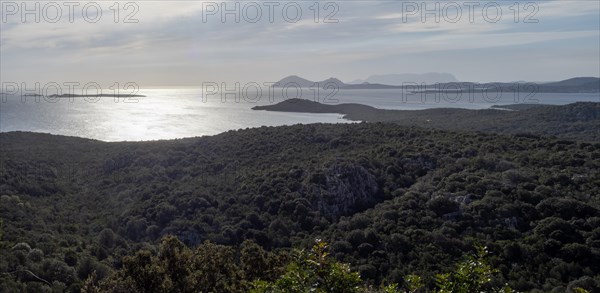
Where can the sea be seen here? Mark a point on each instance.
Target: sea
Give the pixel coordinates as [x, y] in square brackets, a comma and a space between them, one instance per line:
[189, 112]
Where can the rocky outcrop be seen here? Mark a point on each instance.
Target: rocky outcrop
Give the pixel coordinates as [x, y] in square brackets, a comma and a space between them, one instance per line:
[342, 189]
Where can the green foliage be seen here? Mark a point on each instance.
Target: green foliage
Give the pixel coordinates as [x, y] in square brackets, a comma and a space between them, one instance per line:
[471, 275]
[393, 201]
[89, 284]
[314, 271]
[176, 268]
[253, 260]
[413, 283]
[215, 269]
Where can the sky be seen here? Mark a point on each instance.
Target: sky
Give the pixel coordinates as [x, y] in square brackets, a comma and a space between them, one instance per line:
[185, 43]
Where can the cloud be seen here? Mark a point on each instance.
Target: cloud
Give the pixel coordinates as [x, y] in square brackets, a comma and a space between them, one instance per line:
[171, 34]
[566, 9]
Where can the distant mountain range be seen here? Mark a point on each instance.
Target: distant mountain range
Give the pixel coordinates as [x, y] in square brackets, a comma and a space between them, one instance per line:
[305, 83]
[573, 85]
[399, 79]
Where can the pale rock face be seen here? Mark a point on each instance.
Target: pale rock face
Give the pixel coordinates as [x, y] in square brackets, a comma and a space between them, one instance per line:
[342, 189]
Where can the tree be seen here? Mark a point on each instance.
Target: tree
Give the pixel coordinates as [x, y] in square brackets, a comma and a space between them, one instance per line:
[314, 271]
[143, 272]
[210, 268]
[215, 269]
[175, 258]
[471, 275]
[253, 261]
[442, 205]
[107, 238]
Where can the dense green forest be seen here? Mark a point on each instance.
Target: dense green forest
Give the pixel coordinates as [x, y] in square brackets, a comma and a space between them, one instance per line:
[393, 202]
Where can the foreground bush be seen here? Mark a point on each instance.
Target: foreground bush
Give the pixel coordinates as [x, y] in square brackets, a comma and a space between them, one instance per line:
[215, 268]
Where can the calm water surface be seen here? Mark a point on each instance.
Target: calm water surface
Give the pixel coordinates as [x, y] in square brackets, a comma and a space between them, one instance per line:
[176, 113]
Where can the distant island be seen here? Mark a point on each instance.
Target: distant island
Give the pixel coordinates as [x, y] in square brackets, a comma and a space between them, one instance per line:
[579, 121]
[308, 106]
[399, 79]
[516, 107]
[572, 85]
